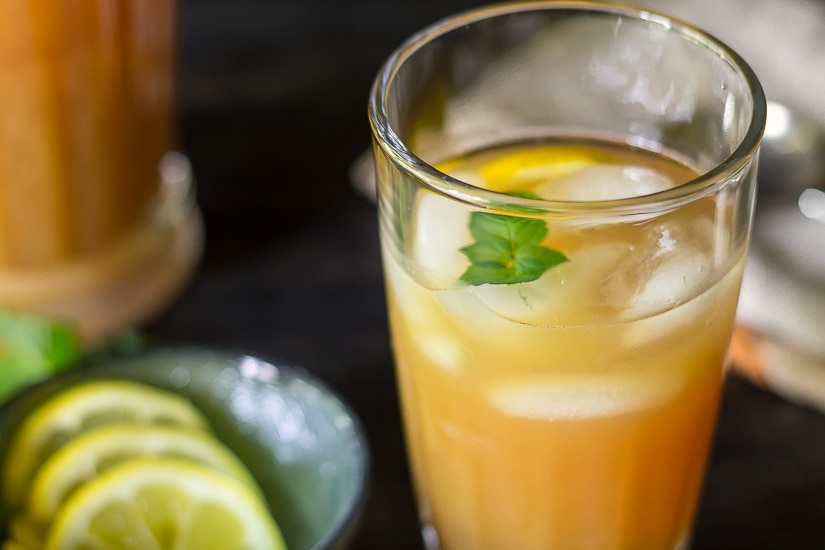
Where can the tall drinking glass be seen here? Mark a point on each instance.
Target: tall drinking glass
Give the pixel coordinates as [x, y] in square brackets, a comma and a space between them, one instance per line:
[565, 193]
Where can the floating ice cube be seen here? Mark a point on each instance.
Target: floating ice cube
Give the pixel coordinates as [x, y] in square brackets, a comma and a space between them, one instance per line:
[650, 329]
[561, 294]
[442, 349]
[665, 300]
[471, 315]
[560, 398]
[412, 299]
[675, 277]
[422, 316]
[441, 229]
[697, 309]
[605, 182]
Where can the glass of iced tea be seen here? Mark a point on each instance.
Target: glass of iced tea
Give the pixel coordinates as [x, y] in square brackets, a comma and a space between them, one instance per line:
[565, 194]
[97, 218]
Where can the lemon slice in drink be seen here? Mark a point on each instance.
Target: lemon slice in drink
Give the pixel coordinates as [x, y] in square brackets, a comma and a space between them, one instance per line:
[79, 409]
[96, 451]
[524, 169]
[164, 503]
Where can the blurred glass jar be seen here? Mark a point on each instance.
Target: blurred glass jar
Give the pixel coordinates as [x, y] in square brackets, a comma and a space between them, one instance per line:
[97, 217]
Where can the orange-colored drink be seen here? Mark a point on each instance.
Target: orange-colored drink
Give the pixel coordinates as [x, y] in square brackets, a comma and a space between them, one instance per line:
[565, 195]
[87, 96]
[576, 410]
[87, 93]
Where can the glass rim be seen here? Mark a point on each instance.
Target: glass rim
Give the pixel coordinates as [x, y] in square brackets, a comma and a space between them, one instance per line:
[704, 184]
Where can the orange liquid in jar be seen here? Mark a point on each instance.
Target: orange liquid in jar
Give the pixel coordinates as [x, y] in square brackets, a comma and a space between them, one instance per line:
[575, 411]
[87, 95]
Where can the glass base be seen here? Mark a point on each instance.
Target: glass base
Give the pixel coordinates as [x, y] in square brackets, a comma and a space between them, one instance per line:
[429, 536]
[130, 282]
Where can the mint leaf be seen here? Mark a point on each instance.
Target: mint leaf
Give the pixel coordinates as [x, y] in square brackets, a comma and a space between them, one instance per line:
[507, 250]
[32, 348]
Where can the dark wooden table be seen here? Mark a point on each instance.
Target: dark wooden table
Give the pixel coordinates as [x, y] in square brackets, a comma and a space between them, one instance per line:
[273, 111]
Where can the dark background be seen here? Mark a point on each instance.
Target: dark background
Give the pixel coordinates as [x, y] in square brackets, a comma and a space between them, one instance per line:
[273, 110]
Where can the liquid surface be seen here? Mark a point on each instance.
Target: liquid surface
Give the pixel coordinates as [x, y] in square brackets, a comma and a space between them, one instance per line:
[576, 410]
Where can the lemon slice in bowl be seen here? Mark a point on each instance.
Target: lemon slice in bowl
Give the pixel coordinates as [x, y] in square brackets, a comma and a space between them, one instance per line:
[81, 408]
[158, 503]
[94, 452]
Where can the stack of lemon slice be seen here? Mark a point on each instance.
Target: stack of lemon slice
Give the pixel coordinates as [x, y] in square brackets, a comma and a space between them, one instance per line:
[119, 464]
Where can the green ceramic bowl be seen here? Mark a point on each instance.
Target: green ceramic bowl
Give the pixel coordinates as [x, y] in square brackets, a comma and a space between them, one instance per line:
[300, 440]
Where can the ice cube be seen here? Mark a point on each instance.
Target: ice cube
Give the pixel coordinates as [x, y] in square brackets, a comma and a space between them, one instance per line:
[441, 349]
[561, 295]
[665, 300]
[468, 313]
[609, 394]
[441, 229]
[650, 329]
[605, 182]
[695, 310]
[413, 300]
[422, 317]
[676, 277]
